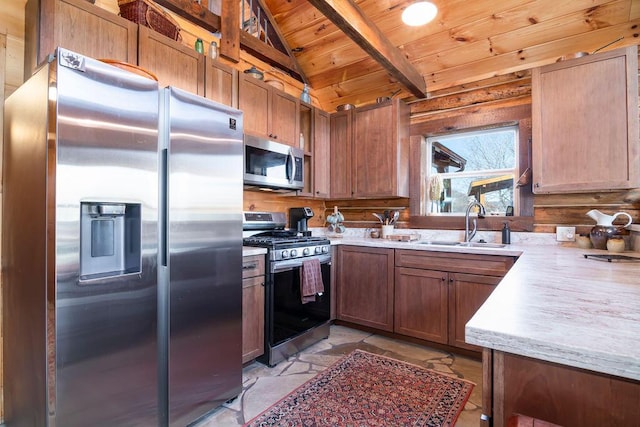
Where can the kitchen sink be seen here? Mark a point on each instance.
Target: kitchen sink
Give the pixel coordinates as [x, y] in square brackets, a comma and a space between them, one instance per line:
[439, 243]
[481, 245]
[465, 244]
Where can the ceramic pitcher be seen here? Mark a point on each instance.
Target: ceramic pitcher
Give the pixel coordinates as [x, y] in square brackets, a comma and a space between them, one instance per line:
[604, 228]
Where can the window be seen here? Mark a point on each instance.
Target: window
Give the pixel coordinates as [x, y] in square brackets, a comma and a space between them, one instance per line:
[476, 165]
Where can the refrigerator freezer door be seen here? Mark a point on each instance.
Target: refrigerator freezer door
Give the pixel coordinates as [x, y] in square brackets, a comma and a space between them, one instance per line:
[105, 157]
[205, 254]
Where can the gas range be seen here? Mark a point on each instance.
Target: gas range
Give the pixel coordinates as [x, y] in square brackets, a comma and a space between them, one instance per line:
[266, 230]
[288, 246]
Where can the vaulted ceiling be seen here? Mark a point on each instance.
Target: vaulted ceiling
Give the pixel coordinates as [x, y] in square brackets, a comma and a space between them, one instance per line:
[469, 41]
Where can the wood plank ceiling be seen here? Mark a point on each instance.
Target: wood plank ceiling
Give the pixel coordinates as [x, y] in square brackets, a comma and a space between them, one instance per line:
[469, 41]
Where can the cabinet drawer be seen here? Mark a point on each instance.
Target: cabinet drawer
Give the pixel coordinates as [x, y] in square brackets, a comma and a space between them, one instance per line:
[490, 265]
[252, 265]
[253, 281]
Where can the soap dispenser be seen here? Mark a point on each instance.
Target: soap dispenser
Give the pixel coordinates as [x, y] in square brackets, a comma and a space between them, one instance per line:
[506, 233]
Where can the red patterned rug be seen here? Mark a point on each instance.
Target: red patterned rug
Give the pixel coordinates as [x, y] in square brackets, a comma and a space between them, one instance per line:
[365, 389]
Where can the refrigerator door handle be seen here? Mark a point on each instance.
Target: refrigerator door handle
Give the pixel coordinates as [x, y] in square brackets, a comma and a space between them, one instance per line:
[164, 211]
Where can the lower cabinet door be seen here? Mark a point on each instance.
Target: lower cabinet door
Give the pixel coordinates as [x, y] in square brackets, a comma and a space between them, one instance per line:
[467, 292]
[365, 286]
[252, 318]
[421, 308]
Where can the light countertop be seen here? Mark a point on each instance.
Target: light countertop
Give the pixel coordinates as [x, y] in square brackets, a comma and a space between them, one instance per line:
[250, 250]
[555, 305]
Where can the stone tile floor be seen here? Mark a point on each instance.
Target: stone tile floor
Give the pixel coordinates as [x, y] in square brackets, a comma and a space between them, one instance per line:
[264, 386]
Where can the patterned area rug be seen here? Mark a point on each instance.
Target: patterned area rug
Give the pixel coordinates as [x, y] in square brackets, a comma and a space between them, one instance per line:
[365, 389]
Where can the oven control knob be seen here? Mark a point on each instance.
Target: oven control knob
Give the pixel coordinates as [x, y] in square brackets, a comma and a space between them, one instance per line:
[325, 249]
[318, 250]
[285, 254]
[306, 251]
[294, 253]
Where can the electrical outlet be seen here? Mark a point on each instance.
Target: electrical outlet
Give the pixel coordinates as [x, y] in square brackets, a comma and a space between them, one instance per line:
[566, 234]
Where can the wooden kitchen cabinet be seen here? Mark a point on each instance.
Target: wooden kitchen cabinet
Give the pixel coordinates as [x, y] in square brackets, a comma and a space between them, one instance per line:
[555, 393]
[380, 163]
[370, 151]
[585, 123]
[421, 304]
[437, 293]
[314, 141]
[467, 292]
[253, 280]
[340, 142]
[365, 286]
[173, 63]
[321, 154]
[221, 83]
[79, 26]
[268, 112]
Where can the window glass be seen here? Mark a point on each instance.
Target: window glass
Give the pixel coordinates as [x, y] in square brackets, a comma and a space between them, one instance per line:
[478, 165]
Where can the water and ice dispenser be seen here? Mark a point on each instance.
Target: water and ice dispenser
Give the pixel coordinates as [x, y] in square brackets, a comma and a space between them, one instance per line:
[110, 242]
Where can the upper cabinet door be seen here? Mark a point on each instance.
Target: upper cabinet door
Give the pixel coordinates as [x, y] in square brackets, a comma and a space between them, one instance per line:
[321, 153]
[79, 26]
[284, 118]
[340, 139]
[173, 63]
[254, 99]
[585, 123]
[269, 112]
[221, 83]
[380, 165]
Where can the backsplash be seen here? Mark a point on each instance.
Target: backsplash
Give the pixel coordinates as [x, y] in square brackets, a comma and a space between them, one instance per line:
[458, 235]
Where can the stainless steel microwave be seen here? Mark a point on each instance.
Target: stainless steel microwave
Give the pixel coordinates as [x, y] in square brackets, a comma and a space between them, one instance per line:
[272, 165]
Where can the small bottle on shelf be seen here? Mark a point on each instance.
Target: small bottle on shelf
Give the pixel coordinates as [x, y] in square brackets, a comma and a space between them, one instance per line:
[213, 50]
[199, 46]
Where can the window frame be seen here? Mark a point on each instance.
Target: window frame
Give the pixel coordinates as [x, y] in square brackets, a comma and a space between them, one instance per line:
[468, 119]
[429, 140]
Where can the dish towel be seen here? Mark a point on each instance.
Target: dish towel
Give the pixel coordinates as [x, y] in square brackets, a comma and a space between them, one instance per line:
[310, 280]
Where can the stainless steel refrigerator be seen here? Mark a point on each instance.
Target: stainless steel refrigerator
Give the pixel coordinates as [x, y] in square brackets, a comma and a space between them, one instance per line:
[122, 257]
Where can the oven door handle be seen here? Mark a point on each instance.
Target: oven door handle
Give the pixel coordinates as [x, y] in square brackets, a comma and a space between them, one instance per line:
[282, 266]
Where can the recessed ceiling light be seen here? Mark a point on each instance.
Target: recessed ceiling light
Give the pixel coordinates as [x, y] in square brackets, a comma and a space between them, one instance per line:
[419, 13]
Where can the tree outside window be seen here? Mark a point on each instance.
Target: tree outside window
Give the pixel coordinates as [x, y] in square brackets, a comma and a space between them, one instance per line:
[477, 165]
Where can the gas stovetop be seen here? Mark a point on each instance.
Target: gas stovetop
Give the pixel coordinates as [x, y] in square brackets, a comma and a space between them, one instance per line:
[288, 239]
[283, 245]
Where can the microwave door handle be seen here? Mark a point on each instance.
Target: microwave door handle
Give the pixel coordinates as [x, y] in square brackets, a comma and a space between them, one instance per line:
[291, 171]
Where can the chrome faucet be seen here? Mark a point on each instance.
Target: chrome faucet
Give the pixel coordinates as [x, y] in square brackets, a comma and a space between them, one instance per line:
[468, 235]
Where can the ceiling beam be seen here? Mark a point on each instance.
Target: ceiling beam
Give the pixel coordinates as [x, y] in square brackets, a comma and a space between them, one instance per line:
[193, 12]
[349, 18]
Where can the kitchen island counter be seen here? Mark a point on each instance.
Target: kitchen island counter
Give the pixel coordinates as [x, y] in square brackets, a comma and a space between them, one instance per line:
[555, 305]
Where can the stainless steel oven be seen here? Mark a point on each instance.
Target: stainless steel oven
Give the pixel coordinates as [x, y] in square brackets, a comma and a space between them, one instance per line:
[290, 324]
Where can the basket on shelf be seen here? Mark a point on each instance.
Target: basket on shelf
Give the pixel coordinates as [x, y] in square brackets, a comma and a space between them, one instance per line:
[147, 13]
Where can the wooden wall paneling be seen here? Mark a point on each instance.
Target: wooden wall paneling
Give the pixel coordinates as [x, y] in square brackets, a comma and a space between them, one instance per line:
[358, 213]
[261, 201]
